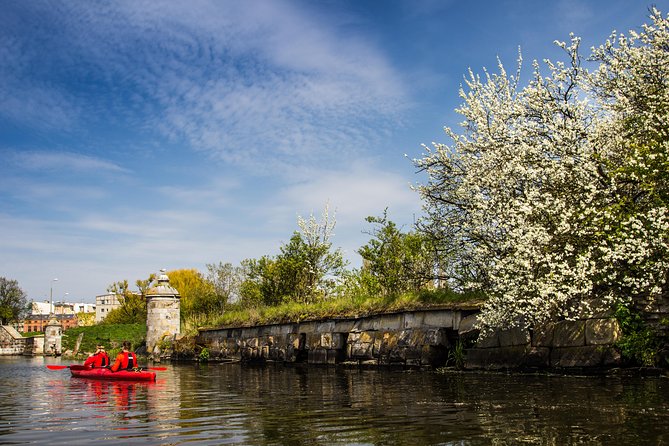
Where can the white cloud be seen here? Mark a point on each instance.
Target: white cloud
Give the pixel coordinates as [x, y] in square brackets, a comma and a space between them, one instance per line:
[249, 85]
[42, 160]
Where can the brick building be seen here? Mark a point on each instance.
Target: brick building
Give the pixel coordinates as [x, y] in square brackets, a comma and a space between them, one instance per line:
[38, 322]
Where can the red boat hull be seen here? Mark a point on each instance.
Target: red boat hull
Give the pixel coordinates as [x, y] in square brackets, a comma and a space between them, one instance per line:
[79, 371]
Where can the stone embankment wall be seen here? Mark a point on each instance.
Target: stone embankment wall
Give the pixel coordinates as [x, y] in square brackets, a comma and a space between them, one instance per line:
[588, 343]
[412, 338]
[419, 338]
[34, 346]
[11, 341]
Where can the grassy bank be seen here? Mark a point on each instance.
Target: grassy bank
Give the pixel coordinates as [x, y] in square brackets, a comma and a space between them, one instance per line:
[111, 336]
[339, 308]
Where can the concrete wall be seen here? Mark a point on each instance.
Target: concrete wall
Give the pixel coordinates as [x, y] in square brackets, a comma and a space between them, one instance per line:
[588, 343]
[420, 338]
[11, 341]
[34, 346]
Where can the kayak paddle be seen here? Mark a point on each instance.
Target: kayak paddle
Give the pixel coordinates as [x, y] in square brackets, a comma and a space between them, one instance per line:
[61, 367]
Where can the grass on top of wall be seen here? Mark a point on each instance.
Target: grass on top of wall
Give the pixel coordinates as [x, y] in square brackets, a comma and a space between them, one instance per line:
[288, 312]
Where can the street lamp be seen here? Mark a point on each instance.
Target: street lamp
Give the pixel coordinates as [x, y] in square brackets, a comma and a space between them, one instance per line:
[51, 296]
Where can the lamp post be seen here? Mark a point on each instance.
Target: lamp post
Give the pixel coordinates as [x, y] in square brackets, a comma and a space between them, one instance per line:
[51, 297]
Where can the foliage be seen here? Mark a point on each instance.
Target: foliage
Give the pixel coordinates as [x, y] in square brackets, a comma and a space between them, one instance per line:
[109, 335]
[397, 262]
[555, 193]
[198, 295]
[132, 309]
[304, 271]
[13, 301]
[85, 319]
[457, 355]
[204, 355]
[639, 343]
[226, 280]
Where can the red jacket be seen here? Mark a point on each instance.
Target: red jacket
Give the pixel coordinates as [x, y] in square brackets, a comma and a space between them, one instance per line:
[100, 359]
[124, 361]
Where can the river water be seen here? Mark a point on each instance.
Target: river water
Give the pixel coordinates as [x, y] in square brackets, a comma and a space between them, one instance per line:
[290, 405]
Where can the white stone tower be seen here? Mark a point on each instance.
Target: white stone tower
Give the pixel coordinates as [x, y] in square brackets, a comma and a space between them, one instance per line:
[53, 336]
[163, 317]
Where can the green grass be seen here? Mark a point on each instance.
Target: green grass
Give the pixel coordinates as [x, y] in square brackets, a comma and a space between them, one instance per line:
[338, 308]
[111, 336]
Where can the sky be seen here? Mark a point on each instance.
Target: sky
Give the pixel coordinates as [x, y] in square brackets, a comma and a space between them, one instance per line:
[140, 135]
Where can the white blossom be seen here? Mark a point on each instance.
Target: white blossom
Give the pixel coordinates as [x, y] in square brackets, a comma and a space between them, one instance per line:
[554, 195]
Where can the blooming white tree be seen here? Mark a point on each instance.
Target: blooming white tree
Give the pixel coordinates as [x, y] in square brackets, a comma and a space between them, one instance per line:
[554, 195]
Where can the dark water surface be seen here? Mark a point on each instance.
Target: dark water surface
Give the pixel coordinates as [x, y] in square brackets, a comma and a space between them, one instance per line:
[286, 405]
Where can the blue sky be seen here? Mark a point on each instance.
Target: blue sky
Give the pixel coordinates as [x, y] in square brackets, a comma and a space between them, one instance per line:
[139, 135]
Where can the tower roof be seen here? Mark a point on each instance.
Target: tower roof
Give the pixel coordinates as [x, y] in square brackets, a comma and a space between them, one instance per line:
[163, 288]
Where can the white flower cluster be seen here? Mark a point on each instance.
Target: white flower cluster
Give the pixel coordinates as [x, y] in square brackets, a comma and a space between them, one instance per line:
[555, 195]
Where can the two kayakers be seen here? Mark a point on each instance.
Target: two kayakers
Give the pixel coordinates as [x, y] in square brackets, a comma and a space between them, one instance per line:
[126, 359]
[98, 359]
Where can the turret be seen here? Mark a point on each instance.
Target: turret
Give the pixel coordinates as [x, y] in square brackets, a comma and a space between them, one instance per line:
[163, 317]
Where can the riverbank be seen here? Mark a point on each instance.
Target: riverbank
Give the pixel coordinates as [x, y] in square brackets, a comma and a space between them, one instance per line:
[429, 338]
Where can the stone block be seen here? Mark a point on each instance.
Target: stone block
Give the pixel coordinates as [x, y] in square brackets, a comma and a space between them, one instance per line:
[317, 356]
[383, 322]
[513, 337]
[326, 326]
[467, 325]
[294, 340]
[433, 355]
[367, 337]
[313, 340]
[376, 346]
[326, 340]
[538, 357]
[611, 357]
[602, 331]
[435, 337]
[338, 340]
[569, 334]
[308, 327]
[412, 320]
[542, 335]
[361, 351]
[489, 341]
[438, 319]
[583, 356]
[353, 337]
[496, 358]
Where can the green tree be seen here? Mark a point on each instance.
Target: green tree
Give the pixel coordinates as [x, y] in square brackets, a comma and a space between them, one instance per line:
[268, 281]
[311, 252]
[398, 261]
[226, 280]
[132, 309]
[305, 270]
[13, 301]
[199, 300]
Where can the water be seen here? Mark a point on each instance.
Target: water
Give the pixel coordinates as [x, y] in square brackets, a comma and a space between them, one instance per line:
[290, 405]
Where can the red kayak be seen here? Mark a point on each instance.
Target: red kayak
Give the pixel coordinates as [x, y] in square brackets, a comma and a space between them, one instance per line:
[79, 371]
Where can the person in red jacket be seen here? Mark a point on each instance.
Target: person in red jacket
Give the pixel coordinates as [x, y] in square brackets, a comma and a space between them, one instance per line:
[98, 359]
[126, 360]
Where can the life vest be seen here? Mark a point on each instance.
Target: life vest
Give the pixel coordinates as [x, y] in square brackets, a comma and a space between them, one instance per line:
[129, 360]
[98, 360]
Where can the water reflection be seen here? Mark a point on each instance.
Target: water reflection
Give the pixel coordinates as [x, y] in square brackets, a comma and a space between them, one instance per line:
[271, 405]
